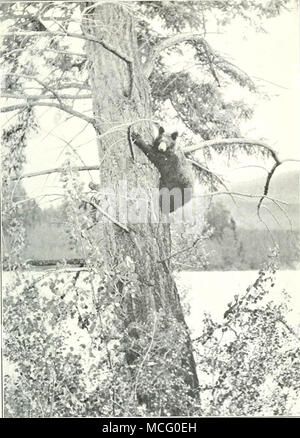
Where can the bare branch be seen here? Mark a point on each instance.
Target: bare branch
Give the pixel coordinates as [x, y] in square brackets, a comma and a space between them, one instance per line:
[246, 195]
[85, 37]
[81, 86]
[251, 166]
[244, 141]
[65, 108]
[47, 87]
[267, 184]
[39, 81]
[35, 51]
[108, 216]
[55, 170]
[61, 106]
[269, 177]
[188, 248]
[41, 17]
[230, 142]
[33, 97]
[66, 85]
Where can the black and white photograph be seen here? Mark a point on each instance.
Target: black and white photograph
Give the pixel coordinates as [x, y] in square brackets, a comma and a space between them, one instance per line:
[150, 210]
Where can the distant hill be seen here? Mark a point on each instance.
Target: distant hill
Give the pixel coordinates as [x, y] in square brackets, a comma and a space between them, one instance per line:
[284, 186]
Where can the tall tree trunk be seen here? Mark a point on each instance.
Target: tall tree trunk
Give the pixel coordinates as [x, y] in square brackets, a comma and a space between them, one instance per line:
[121, 94]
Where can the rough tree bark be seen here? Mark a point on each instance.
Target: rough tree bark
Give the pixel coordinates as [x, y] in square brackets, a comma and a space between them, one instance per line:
[121, 95]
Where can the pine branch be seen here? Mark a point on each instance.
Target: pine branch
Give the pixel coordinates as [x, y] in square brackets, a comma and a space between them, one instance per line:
[169, 42]
[85, 37]
[200, 167]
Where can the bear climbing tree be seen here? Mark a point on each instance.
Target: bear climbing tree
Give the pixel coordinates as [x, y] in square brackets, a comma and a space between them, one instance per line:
[176, 176]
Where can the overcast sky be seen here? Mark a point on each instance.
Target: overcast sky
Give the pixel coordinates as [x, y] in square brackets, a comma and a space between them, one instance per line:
[271, 58]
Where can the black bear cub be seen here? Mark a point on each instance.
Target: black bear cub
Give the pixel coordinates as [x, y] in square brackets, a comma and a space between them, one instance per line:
[176, 176]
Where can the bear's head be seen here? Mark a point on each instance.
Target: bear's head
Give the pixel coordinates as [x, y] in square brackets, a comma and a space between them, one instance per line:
[165, 142]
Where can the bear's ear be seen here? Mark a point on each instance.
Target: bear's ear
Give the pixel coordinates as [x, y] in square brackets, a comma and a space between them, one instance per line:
[174, 135]
[161, 130]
